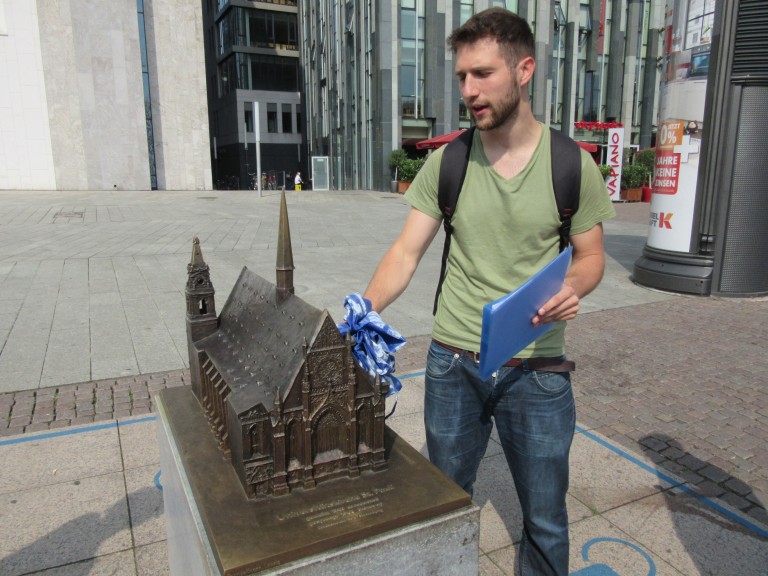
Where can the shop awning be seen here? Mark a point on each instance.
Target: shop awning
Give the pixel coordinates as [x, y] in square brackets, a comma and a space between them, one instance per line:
[588, 146]
[437, 141]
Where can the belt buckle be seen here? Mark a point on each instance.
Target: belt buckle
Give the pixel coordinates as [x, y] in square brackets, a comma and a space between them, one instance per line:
[476, 357]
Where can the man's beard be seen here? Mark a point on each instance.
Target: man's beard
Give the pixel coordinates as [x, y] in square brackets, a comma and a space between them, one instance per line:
[505, 111]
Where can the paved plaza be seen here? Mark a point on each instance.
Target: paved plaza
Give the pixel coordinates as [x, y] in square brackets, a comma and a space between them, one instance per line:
[669, 465]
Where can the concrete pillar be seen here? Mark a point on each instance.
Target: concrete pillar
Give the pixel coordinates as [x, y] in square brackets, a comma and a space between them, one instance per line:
[615, 64]
[631, 61]
[542, 83]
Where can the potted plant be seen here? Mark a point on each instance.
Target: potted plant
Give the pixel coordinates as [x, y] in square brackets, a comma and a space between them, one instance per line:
[396, 159]
[405, 169]
[633, 178]
[647, 158]
[605, 170]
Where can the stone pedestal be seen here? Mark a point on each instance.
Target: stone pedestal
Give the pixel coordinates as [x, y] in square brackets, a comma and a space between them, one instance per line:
[408, 519]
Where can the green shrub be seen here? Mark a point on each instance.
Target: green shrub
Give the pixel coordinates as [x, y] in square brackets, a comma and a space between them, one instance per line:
[404, 168]
[633, 176]
[396, 157]
[410, 168]
[646, 158]
[605, 170]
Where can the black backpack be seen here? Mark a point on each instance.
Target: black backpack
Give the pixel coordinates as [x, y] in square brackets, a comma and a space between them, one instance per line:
[566, 180]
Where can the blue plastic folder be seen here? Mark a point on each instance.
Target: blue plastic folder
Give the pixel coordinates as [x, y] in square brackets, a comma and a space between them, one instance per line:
[507, 327]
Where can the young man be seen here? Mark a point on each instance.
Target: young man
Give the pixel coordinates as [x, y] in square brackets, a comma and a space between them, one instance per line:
[505, 229]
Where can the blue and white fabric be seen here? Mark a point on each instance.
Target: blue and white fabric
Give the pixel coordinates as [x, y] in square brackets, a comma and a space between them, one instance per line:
[375, 342]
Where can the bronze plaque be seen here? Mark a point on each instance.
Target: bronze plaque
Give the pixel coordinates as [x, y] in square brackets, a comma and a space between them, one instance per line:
[248, 535]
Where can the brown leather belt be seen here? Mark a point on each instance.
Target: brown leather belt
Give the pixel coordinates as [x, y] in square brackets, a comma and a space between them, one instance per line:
[539, 363]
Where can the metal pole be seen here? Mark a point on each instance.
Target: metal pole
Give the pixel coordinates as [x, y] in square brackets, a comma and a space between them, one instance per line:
[416, 80]
[601, 46]
[257, 133]
[245, 143]
[216, 162]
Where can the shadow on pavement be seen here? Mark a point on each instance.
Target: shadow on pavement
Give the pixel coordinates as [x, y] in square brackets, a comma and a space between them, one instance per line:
[73, 547]
[709, 534]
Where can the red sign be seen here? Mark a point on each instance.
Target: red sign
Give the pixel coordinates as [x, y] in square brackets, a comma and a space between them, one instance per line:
[666, 173]
[601, 33]
[584, 125]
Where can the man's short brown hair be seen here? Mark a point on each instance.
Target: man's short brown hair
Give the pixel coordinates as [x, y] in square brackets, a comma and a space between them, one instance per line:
[512, 33]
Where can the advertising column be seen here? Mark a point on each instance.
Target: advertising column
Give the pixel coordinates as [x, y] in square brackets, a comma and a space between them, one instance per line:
[670, 260]
[674, 185]
[678, 139]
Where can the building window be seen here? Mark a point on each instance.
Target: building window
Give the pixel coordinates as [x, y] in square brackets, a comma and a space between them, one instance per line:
[147, 96]
[248, 121]
[268, 29]
[258, 72]
[274, 73]
[412, 57]
[463, 111]
[466, 9]
[701, 18]
[510, 5]
[272, 118]
[287, 118]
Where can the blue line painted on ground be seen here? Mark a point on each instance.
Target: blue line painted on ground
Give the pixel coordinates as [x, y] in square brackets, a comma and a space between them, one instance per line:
[70, 431]
[683, 487]
[412, 375]
[676, 483]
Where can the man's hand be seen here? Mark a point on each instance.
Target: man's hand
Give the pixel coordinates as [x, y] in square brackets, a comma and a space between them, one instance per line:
[562, 306]
[584, 274]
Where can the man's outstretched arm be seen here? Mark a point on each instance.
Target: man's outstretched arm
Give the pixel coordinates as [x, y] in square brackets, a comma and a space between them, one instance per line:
[398, 265]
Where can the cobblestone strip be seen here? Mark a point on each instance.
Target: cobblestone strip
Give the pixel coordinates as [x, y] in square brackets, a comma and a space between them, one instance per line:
[84, 403]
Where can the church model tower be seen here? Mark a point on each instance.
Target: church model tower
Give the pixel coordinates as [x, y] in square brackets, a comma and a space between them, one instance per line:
[283, 394]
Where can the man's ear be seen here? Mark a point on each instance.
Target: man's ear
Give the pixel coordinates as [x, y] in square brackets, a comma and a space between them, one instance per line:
[525, 69]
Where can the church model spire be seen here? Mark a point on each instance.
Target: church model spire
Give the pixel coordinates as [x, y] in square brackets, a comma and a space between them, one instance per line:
[200, 302]
[284, 267]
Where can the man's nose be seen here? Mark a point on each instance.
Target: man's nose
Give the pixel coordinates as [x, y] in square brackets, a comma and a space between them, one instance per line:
[469, 88]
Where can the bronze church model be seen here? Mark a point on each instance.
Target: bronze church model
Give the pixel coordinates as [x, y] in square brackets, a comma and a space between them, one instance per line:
[283, 394]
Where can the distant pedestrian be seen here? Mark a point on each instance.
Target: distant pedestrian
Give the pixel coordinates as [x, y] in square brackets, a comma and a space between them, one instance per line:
[297, 181]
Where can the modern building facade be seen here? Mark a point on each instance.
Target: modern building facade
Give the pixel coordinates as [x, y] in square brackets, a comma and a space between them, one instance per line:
[252, 64]
[378, 76]
[102, 96]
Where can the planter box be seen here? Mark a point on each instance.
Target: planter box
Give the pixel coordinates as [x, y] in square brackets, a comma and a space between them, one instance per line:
[631, 194]
[402, 186]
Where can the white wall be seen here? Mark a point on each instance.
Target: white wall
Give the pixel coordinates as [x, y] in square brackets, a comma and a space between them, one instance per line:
[72, 113]
[26, 158]
[179, 98]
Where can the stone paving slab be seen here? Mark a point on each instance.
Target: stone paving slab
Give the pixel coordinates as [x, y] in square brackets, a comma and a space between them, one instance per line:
[101, 519]
[675, 381]
[82, 500]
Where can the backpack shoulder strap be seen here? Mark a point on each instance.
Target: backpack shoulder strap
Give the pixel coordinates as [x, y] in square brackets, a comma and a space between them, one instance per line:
[453, 169]
[566, 180]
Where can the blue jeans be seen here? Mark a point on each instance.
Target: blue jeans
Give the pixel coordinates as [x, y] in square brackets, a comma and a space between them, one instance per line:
[535, 416]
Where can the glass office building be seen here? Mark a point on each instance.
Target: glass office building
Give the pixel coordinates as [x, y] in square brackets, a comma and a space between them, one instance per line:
[377, 76]
[252, 63]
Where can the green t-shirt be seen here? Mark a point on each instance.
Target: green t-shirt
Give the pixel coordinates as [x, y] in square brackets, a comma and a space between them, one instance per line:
[504, 231]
